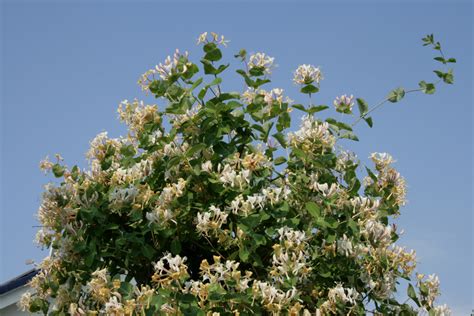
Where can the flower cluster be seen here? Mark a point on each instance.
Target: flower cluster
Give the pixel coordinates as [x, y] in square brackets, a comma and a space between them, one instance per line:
[170, 271]
[273, 299]
[211, 221]
[136, 115]
[162, 213]
[274, 96]
[307, 74]
[261, 61]
[339, 294]
[344, 104]
[388, 178]
[312, 135]
[172, 66]
[290, 255]
[212, 38]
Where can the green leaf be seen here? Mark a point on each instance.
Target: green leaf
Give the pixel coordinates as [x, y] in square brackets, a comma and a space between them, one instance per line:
[350, 135]
[209, 47]
[353, 226]
[396, 95]
[175, 246]
[333, 223]
[209, 69]
[439, 73]
[363, 106]
[299, 107]
[196, 84]
[339, 125]
[148, 251]
[58, 170]
[281, 138]
[331, 238]
[202, 93]
[440, 59]
[284, 121]
[317, 108]
[369, 122]
[213, 55]
[428, 39]
[313, 209]
[257, 71]
[412, 294]
[242, 54]
[127, 151]
[90, 258]
[221, 68]
[194, 149]
[279, 160]
[215, 82]
[428, 88]
[244, 254]
[451, 60]
[448, 77]
[299, 153]
[309, 89]
[159, 87]
[75, 172]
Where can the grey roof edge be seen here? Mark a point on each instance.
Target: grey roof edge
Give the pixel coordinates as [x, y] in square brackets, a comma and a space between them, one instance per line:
[18, 281]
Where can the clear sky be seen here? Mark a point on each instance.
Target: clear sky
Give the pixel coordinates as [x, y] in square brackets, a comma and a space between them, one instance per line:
[65, 68]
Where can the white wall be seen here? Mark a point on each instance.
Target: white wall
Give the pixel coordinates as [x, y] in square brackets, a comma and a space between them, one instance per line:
[8, 302]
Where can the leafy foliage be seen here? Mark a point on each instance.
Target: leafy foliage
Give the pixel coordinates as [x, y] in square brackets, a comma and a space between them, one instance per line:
[198, 211]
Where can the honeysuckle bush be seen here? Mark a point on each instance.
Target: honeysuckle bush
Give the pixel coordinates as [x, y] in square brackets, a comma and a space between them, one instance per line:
[209, 206]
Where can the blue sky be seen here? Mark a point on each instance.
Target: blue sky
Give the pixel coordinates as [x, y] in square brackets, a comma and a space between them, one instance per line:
[65, 67]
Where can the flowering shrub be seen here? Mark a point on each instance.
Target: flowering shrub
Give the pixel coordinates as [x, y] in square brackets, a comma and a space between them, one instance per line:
[209, 206]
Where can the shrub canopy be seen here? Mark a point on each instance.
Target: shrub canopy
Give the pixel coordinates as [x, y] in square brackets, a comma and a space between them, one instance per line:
[210, 206]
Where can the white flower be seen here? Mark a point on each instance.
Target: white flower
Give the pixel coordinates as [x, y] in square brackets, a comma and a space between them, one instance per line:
[169, 265]
[171, 65]
[271, 295]
[257, 200]
[215, 38]
[344, 246]
[125, 195]
[274, 96]
[345, 159]
[325, 189]
[177, 64]
[236, 204]
[228, 175]
[381, 160]
[307, 74]
[248, 96]
[211, 220]
[202, 38]
[344, 104]
[24, 303]
[432, 284]
[441, 310]
[261, 61]
[377, 232]
[290, 235]
[313, 133]
[168, 309]
[207, 166]
[233, 178]
[113, 306]
[346, 295]
[155, 136]
[364, 204]
[46, 165]
[96, 145]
